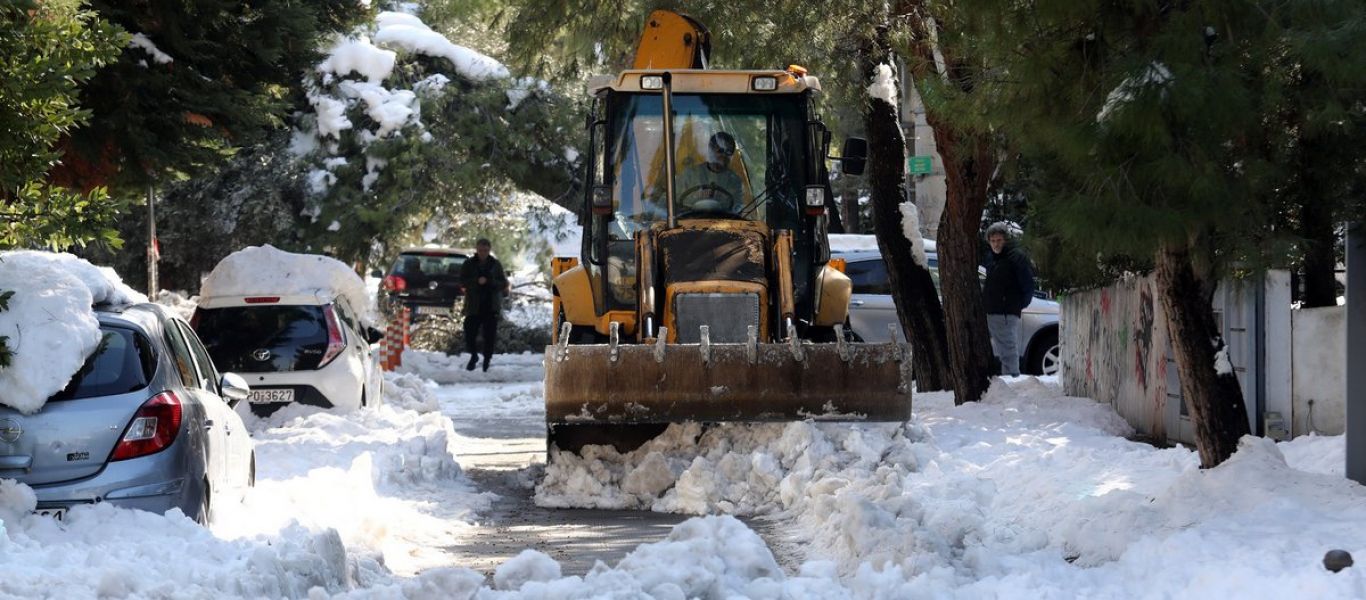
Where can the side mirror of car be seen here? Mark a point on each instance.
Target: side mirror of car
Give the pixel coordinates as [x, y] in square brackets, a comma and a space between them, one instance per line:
[373, 336]
[233, 388]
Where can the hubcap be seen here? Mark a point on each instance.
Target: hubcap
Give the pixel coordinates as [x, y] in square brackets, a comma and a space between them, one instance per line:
[1051, 361]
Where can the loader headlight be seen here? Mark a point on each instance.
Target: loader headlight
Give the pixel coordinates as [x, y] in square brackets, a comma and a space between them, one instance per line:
[764, 83]
[815, 200]
[651, 82]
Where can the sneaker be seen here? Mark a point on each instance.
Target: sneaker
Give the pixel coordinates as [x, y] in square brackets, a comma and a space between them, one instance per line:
[473, 361]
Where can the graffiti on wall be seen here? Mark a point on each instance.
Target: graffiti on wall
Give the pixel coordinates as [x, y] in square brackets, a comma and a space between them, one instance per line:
[1119, 334]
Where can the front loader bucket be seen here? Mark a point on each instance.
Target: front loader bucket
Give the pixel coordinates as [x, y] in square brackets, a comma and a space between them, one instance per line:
[665, 383]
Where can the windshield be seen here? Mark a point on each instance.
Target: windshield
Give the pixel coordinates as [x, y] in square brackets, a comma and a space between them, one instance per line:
[428, 265]
[122, 362]
[261, 339]
[736, 155]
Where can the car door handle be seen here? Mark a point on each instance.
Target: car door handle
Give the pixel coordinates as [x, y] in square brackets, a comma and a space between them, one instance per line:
[208, 424]
[856, 303]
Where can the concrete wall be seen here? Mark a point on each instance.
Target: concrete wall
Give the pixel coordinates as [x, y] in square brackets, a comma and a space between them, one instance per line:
[1114, 344]
[1320, 370]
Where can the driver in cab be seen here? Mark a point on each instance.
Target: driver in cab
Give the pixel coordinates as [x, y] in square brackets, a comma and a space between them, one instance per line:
[712, 186]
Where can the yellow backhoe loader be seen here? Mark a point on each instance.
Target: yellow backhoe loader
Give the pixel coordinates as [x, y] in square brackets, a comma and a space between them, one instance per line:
[704, 290]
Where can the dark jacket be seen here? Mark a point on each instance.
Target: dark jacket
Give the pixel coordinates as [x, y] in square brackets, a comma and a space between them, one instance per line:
[487, 298]
[1009, 286]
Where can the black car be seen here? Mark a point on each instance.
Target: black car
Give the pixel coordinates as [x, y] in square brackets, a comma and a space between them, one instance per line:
[426, 280]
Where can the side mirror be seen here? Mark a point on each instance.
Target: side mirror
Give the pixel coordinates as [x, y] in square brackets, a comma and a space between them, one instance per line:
[854, 156]
[373, 336]
[376, 273]
[233, 388]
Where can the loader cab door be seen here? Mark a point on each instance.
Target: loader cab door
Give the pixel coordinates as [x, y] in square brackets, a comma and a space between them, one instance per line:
[739, 156]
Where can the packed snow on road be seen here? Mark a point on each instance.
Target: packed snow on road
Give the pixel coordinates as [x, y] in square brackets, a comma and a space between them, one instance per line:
[1026, 494]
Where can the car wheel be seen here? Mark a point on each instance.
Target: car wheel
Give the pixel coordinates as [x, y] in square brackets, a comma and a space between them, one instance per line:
[1045, 356]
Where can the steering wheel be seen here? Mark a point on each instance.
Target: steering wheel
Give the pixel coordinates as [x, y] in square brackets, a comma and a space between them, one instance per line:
[706, 204]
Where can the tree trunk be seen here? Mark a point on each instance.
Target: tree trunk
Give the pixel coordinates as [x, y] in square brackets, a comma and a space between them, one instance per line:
[917, 304]
[1214, 400]
[968, 164]
[852, 221]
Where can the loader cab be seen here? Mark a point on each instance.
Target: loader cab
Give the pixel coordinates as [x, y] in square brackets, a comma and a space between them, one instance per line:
[749, 158]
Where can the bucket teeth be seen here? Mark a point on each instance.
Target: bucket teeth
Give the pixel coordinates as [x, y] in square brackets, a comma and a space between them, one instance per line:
[704, 342]
[614, 340]
[660, 344]
[794, 342]
[752, 344]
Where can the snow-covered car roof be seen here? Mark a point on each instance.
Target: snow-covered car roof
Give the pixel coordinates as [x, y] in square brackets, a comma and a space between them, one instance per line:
[266, 271]
[437, 250]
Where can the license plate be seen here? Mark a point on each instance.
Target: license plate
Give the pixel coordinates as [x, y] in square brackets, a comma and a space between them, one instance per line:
[433, 310]
[270, 396]
[55, 513]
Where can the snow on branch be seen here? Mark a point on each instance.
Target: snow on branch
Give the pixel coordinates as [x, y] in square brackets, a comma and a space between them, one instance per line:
[142, 41]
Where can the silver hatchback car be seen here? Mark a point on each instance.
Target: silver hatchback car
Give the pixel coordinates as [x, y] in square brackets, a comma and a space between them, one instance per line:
[147, 423]
[871, 310]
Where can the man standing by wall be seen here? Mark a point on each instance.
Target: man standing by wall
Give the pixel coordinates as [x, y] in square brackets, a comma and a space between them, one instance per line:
[485, 283]
[1006, 292]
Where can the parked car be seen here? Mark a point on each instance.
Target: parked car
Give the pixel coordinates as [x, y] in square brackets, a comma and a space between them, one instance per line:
[871, 310]
[305, 348]
[147, 423]
[426, 280]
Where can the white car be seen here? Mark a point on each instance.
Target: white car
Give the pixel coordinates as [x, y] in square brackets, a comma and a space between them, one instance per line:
[302, 348]
[871, 310]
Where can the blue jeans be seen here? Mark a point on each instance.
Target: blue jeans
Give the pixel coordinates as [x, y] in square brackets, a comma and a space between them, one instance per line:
[1005, 341]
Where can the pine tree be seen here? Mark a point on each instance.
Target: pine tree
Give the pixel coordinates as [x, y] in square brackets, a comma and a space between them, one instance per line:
[46, 51]
[1150, 121]
[195, 81]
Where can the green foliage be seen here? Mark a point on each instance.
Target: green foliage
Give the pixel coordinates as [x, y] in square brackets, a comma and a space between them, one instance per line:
[1152, 123]
[47, 51]
[231, 78]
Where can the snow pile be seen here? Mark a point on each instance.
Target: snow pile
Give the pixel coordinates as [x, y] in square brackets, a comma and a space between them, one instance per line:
[178, 303]
[384, 478]
[448, 368]
[1027, 492]
[527, 566]
[16, 502]
[49, 326]
[358, 55]
[856, 242]
[100, 550]
[266, 270]
[409, 392]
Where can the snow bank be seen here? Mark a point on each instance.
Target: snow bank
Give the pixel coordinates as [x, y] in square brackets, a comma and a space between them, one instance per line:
[385, 479]
[1027, 493]
[178, 303]
[100, 550]
[50, 326]
[266, 270]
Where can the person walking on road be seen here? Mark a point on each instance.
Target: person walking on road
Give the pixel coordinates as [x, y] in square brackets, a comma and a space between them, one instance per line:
[1006, 291]
[485, 284]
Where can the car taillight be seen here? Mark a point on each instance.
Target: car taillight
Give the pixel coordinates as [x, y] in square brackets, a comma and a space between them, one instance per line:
[394, 283]
[154, 427]
[261, 300]
[335, 345]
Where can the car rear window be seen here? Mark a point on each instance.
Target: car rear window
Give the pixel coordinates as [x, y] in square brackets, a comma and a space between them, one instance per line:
[260, 339]
[122, 362]
[428, 265]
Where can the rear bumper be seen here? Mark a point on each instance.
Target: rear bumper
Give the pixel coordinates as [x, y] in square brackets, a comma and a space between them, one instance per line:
[337, 385]
[156, 483]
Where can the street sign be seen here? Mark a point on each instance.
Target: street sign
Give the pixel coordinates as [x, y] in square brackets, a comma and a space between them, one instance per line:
[921, 165]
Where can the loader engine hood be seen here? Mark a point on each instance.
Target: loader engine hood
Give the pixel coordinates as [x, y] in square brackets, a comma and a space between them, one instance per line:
[714, 277]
